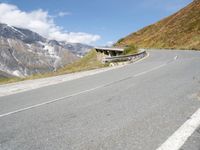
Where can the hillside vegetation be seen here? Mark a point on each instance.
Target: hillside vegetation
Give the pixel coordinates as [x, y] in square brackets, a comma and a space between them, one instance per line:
[130, 49]
[88, 62]
[178, 31]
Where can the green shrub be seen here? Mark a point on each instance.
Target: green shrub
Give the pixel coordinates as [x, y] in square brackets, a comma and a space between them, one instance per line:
[131, 49]
[120, 40]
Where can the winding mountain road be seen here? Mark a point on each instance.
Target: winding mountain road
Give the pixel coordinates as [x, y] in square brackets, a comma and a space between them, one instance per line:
[140, 106]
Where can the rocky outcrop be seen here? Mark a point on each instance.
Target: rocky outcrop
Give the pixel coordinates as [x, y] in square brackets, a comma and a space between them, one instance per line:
[77, 48]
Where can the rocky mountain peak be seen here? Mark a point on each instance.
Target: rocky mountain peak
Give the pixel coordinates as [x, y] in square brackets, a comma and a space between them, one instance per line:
[24, 52]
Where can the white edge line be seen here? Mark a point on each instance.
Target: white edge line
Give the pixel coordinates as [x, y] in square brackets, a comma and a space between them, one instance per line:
[75, 94]
[177, 140]
[155, 68]
[58, 81]
[48, 102]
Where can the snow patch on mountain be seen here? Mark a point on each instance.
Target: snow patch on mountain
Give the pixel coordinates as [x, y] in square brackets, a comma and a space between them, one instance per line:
[50, 50]
[23, 52]
[16, 30]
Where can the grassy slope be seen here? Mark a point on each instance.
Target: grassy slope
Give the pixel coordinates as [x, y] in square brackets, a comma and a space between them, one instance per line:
[180, 31]
[131, 49]
[88, 62]
[6, 78]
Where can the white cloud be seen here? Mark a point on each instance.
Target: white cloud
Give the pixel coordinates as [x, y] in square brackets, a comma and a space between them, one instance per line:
[41, 22]
[110, 43]
[62, 14]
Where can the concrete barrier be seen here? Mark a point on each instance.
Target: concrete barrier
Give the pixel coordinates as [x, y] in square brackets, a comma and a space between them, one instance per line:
[124, 58]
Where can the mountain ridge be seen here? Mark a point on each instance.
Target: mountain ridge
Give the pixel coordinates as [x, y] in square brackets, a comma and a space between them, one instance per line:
[24, 52]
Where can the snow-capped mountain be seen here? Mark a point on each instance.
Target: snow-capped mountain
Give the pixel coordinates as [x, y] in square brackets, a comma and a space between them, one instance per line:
[23, 52]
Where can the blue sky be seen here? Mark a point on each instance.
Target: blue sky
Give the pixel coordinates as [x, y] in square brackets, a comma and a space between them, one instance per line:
[107, 20]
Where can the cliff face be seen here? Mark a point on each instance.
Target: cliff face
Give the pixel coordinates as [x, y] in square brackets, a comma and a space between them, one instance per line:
[180, 30]
[23, 53]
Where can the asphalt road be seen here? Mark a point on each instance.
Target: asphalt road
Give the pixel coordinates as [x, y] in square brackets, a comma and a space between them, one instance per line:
[193, 142]
[136, 107]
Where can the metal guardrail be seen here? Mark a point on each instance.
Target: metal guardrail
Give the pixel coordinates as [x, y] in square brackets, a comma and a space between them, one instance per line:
[122, 58]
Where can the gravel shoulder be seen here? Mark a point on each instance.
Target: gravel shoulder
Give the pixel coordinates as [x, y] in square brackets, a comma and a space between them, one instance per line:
[13, 88]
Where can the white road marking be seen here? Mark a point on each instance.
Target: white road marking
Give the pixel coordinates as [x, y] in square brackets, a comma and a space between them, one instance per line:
[82, 92]
[13, 88]
[177, 140]
[155, 68]
[48, 102]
